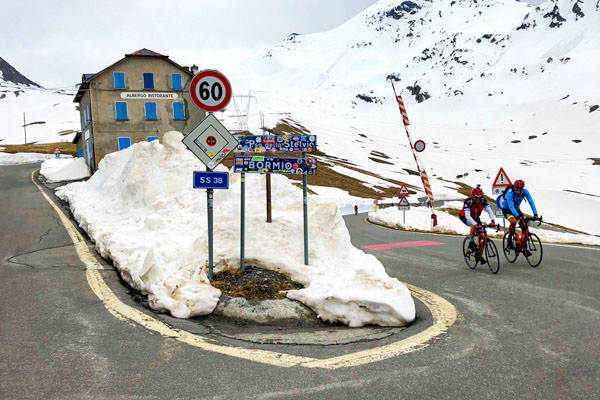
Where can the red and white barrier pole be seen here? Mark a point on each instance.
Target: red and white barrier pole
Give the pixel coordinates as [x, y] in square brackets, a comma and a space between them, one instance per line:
[420, 168]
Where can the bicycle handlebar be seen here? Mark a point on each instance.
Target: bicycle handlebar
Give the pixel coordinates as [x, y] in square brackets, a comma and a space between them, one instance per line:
[483, 227]
[539, 219]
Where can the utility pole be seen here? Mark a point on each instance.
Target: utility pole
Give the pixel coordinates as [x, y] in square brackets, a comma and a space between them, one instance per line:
[24, 128]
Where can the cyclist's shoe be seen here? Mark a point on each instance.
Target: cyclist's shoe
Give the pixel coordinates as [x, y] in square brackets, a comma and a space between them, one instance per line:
[481, 260]
[526, 252]
[472, 246]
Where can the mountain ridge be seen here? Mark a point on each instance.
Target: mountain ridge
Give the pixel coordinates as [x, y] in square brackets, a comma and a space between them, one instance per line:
[9, 74]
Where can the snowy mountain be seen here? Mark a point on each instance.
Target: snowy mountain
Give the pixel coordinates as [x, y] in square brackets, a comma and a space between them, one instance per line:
[487, 84]
[53, 109]
[9, 74]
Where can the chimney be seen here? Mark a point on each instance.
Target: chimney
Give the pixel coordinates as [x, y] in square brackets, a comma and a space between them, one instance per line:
[194, 69]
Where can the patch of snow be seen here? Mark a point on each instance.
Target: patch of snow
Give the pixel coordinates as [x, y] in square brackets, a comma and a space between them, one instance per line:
[64, 169]
[142, 212]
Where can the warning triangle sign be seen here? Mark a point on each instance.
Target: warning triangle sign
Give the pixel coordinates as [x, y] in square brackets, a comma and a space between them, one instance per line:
[501, 179]
[403, 202]
[403, 190]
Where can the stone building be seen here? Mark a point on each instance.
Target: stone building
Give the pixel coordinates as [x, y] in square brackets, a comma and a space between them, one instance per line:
[138, 98]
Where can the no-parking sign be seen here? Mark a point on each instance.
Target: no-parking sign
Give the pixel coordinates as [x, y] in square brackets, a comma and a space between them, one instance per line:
[210, 90]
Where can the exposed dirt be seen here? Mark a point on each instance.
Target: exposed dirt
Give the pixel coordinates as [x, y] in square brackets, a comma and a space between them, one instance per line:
[45, 148]
[255, 283]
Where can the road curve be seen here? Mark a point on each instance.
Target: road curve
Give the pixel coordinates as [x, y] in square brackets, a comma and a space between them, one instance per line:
[524, 333]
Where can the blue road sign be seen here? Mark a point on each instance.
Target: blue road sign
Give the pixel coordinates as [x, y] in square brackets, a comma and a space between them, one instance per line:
[211, 180]
[277, 143]
[274, 165]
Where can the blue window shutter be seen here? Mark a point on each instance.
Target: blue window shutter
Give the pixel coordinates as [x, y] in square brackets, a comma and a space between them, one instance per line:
[176, 81]
[124, 142]
[119, 80]
[148, 80]
[152, 138]
[121, 108]
[151, 111]
[178, 112]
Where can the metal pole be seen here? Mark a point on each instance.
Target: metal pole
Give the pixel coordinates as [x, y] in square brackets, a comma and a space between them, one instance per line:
[305, 211]
[209, 206]
[24, 128]
[209, 201]
[268, 181]
[243, 218]
[403, 217]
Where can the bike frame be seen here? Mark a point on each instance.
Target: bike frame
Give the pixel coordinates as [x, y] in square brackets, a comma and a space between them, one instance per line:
[522, 238]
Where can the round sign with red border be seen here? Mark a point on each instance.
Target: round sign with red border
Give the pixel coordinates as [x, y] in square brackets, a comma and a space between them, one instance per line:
[419, 146]
[210, 90]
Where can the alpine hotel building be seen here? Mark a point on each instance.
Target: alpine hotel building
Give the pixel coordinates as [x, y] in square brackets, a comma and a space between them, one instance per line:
[138, 98]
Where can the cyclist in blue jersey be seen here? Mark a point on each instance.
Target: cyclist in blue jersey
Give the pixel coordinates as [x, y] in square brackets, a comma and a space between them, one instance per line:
[511, 203]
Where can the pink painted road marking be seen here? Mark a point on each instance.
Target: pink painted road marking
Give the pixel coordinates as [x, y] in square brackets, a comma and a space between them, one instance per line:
[402, 245]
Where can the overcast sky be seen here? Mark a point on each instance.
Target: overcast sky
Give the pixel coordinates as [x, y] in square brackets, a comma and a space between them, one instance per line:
[54, 42]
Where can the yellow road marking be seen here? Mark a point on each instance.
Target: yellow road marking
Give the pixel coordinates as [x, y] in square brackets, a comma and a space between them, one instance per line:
[444, 315]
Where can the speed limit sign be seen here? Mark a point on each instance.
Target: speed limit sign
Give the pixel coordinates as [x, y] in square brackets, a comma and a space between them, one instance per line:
[210, 90]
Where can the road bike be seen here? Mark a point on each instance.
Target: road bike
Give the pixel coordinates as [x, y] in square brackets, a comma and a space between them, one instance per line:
[486, 250]
[527, 243]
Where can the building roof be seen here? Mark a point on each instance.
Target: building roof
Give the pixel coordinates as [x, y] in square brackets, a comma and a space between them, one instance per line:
[87, 78]
[145, 52]
[76, 138]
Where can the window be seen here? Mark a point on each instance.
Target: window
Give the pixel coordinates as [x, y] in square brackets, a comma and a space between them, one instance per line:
[148, 80]
[178, 112]
[176, 81]
[121, 110]
[88, 116]
[152, 138]
[124, 142]
[151, 111]
[119, 80]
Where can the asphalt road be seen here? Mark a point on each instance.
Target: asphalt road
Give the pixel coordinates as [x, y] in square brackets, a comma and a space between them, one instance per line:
[525, 333]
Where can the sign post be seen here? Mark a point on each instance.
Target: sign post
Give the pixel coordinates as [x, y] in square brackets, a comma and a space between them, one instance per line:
[279, 165]
[403, 204]
[210, 141]
[500, 183]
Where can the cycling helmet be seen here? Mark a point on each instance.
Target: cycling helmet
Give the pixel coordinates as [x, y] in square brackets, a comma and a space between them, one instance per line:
[519, 184]
[477, 192]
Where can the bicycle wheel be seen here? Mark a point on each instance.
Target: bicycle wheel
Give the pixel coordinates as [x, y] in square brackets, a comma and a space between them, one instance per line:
[492, 257]
[469, 255]
[510, 254]
[533, 250]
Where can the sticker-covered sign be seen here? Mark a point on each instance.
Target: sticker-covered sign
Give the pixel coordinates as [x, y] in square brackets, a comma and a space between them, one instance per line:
[277, 143]
[274, 165]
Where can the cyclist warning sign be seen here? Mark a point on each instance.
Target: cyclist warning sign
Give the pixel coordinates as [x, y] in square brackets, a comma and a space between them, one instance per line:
[500, 182]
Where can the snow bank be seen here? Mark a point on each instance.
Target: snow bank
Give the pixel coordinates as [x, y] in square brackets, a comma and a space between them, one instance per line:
[141, 211]
[64, 169]
[419, 218]
[23, 158]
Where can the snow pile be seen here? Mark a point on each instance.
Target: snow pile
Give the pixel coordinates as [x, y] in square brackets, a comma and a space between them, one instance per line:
[23, 158]
[142, 212]
[64, 169]
[419, 218]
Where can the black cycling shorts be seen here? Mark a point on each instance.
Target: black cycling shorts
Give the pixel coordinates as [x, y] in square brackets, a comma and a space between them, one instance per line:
[507, 213]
